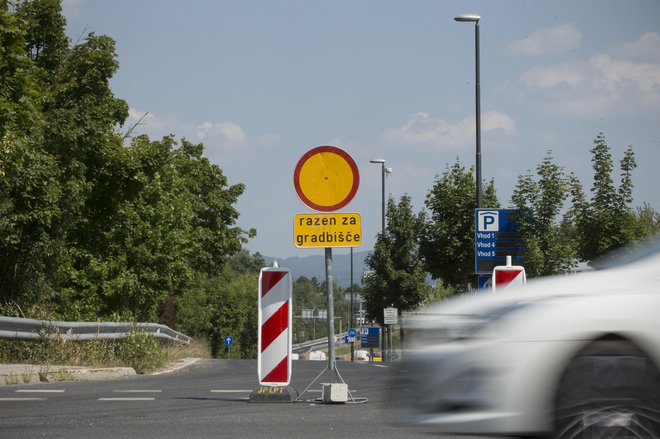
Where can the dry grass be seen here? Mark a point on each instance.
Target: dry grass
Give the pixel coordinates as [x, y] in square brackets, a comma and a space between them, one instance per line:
[141, 351]
[196, 349]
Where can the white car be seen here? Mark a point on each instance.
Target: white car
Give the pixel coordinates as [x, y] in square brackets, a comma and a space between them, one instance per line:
[572, 356]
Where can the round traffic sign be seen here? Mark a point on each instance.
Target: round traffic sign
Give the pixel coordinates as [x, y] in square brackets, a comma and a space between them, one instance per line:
[326, 178]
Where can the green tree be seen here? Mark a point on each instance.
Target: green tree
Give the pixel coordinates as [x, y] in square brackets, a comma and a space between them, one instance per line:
[46, 42]
[647, 221]
[398, 276]
[549, 249]
[92, 228]
[223, 305]
[447, 241]
[160, 215]
[212, 200]
[31, 186]
[30, 191]
[607, 221]
[132, 252]
[20, 92]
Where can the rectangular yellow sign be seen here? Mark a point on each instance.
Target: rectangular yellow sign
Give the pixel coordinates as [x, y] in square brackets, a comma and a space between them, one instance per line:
[327, 230]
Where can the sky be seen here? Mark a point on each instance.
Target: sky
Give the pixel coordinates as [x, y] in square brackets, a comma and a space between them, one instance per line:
[261, 83]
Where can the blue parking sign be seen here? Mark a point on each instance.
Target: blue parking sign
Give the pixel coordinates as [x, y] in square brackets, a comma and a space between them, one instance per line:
[496, 237]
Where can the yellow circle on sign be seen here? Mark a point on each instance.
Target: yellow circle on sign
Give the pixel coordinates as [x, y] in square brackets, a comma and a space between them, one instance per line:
[326, 178]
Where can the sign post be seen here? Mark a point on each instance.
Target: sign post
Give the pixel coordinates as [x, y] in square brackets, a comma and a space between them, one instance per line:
[229, 341]
[496, 237]
[326, 179]
[390, 317]
[370, 338]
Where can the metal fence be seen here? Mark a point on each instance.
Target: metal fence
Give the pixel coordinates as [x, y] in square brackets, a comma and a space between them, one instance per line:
[30, 329]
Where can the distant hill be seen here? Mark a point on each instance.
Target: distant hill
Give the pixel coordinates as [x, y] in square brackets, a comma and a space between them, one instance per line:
[314, 266]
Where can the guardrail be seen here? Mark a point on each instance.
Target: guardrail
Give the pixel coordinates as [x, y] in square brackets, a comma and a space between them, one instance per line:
[311, 344]
[31, 329]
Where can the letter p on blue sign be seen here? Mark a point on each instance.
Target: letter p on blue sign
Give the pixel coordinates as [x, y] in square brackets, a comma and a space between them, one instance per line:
[488, 221]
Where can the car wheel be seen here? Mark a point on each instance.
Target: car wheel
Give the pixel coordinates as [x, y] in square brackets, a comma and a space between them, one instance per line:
[609, 390]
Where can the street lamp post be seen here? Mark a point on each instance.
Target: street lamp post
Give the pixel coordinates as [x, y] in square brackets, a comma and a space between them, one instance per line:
[384, 172]
[473, 18]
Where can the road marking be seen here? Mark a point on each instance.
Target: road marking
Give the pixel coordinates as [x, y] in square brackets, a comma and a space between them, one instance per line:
[23, 399]
[321, 390]
[136, 391]
[40, 391]
[126, 399]
[378, 365]
[231, 391]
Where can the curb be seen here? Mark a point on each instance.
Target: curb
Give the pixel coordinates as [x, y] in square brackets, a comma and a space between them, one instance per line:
[15, 374]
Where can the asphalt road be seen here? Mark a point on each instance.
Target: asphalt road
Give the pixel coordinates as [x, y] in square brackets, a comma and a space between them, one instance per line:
[207, 400]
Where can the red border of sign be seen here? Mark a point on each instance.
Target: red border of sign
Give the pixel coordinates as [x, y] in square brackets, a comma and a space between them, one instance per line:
[307, 156]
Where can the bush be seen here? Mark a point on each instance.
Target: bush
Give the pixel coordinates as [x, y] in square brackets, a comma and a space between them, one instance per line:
[140, 351]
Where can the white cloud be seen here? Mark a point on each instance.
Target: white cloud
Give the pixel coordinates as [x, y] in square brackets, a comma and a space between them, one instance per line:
[647, 48]
[225, 134]
[555, 40]
[143, 122]
[422, 130]
[493, 120]
[600, 85]
[148, 119]
[227, 138]
[569, 74]
[72, 8]
[617, 77]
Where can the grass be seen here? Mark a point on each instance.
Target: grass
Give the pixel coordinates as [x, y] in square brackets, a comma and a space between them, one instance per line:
[139, 350]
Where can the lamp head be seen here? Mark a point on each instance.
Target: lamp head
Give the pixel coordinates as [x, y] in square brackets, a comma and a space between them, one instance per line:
[468, 18]
[381, 161]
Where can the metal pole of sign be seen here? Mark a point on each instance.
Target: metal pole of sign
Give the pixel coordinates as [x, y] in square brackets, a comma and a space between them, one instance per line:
[391, 345]
[331, 311]
[350, 317]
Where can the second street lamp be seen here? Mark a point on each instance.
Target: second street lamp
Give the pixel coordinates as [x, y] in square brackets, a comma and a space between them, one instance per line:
[473, 18]
[382, 163]
[384, 172]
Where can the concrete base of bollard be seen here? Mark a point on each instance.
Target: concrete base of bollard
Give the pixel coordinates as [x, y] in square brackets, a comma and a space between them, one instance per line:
[335, 393]
[274, 394]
